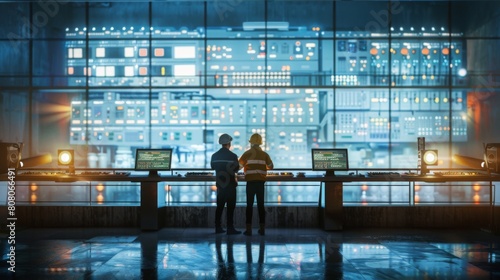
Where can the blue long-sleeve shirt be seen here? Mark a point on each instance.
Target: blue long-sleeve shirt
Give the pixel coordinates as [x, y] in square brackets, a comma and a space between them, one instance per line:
[225, 163]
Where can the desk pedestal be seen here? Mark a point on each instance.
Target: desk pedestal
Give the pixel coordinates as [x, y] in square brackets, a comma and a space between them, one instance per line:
[333, 215]
[152, 198]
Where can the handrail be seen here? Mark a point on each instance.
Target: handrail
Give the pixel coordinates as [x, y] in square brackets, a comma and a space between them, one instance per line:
[284, 169]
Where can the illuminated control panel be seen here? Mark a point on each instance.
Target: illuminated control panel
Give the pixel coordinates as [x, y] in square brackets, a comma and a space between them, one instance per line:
[188, 119]
[128, 58]
[402, 116]
[299, 88]
[261, 62]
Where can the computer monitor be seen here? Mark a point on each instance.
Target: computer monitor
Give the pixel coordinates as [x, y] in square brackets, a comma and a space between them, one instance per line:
[153, 160]
[330, 160]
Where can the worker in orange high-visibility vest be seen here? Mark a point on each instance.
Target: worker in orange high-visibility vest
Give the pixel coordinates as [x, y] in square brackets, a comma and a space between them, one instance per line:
[255, 163]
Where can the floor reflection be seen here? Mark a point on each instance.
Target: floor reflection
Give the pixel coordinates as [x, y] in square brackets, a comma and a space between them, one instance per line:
[255, 270]
[185, 253]
[225, 264]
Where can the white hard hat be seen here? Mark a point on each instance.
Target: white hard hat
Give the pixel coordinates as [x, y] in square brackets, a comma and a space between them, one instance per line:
[225, 139]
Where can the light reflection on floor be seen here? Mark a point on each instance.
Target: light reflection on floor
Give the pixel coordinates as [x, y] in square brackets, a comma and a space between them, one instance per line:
[198, 253]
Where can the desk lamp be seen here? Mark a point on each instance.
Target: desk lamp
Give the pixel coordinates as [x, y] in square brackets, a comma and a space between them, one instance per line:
[67, 158]
[429, 157]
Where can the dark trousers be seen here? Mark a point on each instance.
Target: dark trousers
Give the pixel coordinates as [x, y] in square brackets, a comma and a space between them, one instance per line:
[225, 196]
[255, 189]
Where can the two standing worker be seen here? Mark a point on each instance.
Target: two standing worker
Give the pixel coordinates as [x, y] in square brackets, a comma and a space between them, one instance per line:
[255, 163]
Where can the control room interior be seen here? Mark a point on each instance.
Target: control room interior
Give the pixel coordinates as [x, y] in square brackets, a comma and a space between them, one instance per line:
[357, 95]
[376, 114]
[168, 77]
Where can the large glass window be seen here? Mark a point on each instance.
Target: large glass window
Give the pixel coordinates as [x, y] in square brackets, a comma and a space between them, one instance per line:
[14, 69]
[53, 19]
[106, 78]
[14, 122]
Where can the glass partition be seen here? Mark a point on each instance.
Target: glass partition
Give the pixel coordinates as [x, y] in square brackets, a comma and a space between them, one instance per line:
[15, 69]
[106, 78]
[52, 19]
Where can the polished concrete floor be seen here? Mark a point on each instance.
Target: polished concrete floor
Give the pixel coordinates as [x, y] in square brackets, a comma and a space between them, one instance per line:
[199, 253]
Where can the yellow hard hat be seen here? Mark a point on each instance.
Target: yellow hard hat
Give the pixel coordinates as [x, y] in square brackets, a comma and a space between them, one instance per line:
[255, 139]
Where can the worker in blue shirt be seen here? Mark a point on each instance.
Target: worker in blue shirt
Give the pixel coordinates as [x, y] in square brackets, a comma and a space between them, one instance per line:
[225, 163]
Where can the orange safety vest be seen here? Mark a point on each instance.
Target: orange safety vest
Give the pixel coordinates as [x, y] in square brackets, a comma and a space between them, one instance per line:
[255, 163]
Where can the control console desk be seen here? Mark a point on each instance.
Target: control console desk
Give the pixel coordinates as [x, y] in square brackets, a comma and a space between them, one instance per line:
[332, 210]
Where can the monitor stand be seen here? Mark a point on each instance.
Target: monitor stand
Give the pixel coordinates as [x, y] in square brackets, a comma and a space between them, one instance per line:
[153, 173]
[330, 173]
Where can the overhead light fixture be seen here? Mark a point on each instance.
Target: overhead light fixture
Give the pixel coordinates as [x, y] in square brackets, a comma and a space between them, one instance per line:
[66, 158]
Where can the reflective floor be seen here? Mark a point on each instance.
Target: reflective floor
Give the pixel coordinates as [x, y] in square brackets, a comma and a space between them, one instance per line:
[199, 253]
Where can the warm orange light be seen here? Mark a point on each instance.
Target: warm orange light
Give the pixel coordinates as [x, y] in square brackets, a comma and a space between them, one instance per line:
[33, 198]
[430, 157]
[100, 198]
[99, 187]
[417, 188]
[364, 187]
[213, 188]
[65, 157]
[417, 198]
[476, 188]
[167, 188]
[476, 198]
[55, 112]
[34, 188]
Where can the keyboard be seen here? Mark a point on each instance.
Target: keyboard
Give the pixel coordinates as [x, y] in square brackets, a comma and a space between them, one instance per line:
[459, 173]
[42, 173]
[83, 173]
[197, 174]
[288, 174]
[383, 174]
[94, 173]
